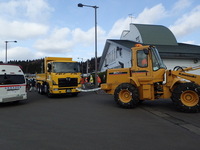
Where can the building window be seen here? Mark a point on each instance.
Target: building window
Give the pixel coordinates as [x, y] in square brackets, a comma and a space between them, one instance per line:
[137, 39]
[119, 50]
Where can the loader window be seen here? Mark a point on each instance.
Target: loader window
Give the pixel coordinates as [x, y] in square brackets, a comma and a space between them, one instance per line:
[142, 59]
[66, 67]
[156, 60]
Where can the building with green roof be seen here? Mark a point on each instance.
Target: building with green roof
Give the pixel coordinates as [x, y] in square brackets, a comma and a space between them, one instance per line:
[117, 53]
[149, 34]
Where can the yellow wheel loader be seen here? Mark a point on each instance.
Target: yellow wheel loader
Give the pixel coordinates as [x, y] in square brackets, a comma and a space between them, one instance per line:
[148, 79]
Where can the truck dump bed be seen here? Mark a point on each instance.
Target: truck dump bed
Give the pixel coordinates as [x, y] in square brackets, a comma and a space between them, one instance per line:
[41, 77]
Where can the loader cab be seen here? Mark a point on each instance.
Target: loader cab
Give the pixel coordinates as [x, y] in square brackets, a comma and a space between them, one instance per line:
[147, 70]
[146, 59]
[157, 62]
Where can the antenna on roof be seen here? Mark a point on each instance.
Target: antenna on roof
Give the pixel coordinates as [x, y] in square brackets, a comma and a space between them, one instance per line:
[131, 16]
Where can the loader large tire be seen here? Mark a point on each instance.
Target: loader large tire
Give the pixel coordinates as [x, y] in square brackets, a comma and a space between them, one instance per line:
[186, 97]
[126, 95]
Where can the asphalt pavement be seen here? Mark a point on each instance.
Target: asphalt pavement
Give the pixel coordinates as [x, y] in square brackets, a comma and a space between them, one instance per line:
[92, 121]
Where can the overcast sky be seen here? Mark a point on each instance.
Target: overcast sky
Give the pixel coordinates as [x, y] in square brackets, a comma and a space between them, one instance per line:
[45, 28]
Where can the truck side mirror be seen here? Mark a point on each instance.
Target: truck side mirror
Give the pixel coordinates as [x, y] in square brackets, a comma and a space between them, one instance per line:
[49, 67]
[146, 51]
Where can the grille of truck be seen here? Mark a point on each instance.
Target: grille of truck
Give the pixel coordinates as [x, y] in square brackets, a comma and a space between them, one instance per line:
[67, 82]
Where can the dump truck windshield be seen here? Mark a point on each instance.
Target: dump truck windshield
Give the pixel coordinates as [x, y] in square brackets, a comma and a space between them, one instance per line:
[66, 67]
[157, 61]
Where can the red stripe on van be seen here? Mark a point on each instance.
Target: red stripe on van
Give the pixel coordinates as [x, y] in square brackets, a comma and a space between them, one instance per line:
[12, 85]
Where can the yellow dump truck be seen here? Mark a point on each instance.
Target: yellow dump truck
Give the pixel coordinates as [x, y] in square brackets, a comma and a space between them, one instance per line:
[60, 76]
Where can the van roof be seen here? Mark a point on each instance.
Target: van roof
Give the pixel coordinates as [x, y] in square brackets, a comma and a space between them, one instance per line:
[10, 69]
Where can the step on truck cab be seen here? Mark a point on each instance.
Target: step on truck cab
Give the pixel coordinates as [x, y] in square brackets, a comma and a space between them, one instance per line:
[12, 84]
[60, 76]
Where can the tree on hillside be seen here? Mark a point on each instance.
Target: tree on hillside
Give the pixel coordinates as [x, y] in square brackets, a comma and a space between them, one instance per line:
[34, 66]
[29, 66]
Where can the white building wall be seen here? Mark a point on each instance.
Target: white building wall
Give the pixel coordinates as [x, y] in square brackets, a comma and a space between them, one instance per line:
[115, 56]
[171, 63]
[133, 34]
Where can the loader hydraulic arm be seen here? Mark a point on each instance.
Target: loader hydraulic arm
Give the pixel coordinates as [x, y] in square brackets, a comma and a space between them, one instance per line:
[192, 68]
[181, 72]
[186, 69]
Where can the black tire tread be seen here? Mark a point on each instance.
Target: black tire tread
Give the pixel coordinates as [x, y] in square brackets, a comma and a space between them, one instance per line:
[176, 94]
[135, 95]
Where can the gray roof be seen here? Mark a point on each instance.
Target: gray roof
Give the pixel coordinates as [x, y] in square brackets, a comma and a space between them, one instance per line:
[156, 34]
[125, 43]
[181, 51]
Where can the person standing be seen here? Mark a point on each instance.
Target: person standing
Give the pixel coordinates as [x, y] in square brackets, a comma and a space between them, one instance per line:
[91, 80]
[32, 85]
[98, 80]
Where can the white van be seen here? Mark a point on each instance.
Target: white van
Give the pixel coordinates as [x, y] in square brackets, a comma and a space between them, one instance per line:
[12, 83]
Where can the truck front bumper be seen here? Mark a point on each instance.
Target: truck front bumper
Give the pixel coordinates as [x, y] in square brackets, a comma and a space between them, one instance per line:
[64, 91]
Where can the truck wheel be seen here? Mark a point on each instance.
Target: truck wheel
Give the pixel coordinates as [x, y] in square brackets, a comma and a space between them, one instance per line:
[49, 94]
[39, 88]
[186, 97]
[126, 95]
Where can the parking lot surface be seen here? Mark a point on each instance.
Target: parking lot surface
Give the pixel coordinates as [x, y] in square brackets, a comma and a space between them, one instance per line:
[92, 121]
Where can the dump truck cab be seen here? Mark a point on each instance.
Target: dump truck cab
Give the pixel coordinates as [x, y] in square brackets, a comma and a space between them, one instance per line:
[60, 76]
